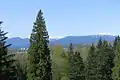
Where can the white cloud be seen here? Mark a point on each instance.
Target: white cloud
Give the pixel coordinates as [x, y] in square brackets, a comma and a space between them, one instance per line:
[104, 33]
[55, 37]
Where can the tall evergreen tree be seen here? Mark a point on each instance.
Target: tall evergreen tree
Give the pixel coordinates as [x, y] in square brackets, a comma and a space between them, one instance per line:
[76, 66]
[107, 61]
[70, 61]
[100, 62]
[7, 69]
[39, 67]
[91, 65]
[105, 56]
[116, 68]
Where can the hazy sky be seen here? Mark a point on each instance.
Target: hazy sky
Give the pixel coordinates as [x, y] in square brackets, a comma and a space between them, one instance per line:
[63, 17]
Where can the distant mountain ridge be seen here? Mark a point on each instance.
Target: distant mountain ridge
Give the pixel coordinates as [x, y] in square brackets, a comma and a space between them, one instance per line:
[18, 42]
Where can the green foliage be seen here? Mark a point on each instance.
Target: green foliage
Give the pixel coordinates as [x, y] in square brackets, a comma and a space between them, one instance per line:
[39, 67]
[106, 61]
[105, 56]
[59, 63]
[117, 39]
[21, 72]
[21, 65]
[91, 66]
[116, 68]
[70, 62]
[99, 44]
[76, 66]
[83, 50]
[100, 62]
[7, 69]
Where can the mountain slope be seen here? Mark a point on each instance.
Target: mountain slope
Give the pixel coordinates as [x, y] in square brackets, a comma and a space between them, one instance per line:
[18, 42]
[83, 39]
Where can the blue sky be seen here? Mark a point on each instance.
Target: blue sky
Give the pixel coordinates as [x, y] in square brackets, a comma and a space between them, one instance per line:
[63, 17]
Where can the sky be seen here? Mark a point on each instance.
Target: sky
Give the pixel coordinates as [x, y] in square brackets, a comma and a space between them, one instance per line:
[63, 17]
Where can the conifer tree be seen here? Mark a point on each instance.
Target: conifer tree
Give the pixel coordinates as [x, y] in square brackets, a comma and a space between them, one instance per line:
[117, 39]
[116, 68]
[21, 73]
[99, 44]
[39, 67]
[70, 61]
[7, 69]
[107, 61]
[98, 58]
[105, 56]
[91, 65]
[76, 66]
[100, 62]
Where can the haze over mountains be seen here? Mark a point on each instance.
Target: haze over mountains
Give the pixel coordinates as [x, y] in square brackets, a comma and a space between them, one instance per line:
[18, 42]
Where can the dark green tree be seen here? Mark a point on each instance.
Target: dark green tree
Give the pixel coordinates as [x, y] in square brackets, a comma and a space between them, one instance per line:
[105, 57]
[99, 44]
[70, 61]
[116, 68]
[107, 62]
[117, 39]
[21, 72]
[39, 67]
[100, 62]
[91, 64]
[7, 68]
[76, 66]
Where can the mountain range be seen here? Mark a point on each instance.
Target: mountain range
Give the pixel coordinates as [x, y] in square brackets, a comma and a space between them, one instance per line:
[18, 42]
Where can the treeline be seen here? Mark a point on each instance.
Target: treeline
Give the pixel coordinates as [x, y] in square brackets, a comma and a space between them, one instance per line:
[99, 65]
[44, 63]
